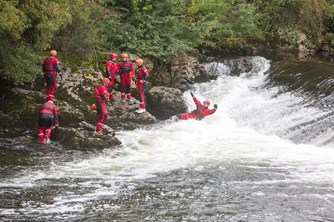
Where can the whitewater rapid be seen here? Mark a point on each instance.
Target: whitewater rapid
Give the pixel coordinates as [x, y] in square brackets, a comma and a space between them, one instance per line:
[251, 128]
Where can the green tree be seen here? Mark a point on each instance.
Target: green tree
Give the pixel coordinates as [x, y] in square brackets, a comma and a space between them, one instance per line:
[27, 26]
[18, 64]
[82, 35]
[292, 21]
[46, 18]
[151, 28]
[13, 20]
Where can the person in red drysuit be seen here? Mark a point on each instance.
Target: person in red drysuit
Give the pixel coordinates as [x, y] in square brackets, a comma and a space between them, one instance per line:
[47, 114]
[111, 69]
[141, 77]
[51, 70]
[101, 97]
[125, 69]
[200, 112]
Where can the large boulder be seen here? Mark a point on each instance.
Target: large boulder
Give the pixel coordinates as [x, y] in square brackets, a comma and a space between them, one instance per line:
[182, 73]
[123, 115]
[164, 102]
[239, 65]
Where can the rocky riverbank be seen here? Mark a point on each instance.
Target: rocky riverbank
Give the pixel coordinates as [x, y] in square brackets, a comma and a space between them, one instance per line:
[74, 96]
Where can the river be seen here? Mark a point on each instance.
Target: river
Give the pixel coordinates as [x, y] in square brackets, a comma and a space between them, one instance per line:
[267, 154]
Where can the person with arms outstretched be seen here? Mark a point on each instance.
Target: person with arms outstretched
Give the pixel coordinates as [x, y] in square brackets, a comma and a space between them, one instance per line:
[201, 111]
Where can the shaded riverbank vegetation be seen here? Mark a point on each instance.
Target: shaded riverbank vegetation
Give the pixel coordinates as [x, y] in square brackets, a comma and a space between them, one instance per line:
[84, 31]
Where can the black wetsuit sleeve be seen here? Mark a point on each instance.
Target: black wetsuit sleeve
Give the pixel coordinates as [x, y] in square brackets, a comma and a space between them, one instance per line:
[56, 68]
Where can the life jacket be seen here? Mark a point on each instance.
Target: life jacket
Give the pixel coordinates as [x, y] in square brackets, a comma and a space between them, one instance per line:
[125, 67]
[48, 65]
[141, 73]
[47, 108]
[198, 113]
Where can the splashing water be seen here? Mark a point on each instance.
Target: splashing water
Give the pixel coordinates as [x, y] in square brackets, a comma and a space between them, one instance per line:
[249, 161]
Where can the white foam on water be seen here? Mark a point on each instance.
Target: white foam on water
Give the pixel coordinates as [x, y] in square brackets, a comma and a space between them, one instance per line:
[246, 127]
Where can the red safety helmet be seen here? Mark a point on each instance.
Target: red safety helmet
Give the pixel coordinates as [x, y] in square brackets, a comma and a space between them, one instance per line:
[113, 55]
[93, 107]
[124, 55]
[53, 52]
[105, 81]
[139, 62]
[206, 102]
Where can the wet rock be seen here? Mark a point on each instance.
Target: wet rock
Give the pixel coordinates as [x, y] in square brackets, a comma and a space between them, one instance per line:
[74, 96]
[85, 137]
[240, 65]
[16, 141]
[164, 102]
[182, 73]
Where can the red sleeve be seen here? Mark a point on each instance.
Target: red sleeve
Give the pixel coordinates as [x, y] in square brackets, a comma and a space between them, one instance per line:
[118, 66]
[113, 69]
[55, 64]
[55, 61]
[108, 69]
[198, 103]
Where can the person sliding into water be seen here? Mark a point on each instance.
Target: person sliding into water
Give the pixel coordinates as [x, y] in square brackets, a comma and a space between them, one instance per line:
[200, 112]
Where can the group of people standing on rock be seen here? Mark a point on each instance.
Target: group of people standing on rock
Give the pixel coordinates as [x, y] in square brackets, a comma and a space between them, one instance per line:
[103, 92]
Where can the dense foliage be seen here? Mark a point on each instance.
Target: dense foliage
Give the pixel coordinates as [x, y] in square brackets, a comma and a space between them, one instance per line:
[158, 30]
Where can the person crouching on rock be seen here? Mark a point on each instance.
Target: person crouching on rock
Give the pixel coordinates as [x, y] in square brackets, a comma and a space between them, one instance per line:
[47, 114]
[200, 112]
[101, 97]
[141, 76]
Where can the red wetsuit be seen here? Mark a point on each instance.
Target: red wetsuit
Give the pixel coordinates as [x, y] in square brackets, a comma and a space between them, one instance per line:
[111, 69]
[141, 76]
[101, 96]
[47, 114]
[124, 68]
[198, 113]
[50, 70]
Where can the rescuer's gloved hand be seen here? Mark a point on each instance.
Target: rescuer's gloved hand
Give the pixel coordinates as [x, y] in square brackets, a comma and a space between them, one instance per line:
[56, 126]
[216, 106]
[191, 93]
